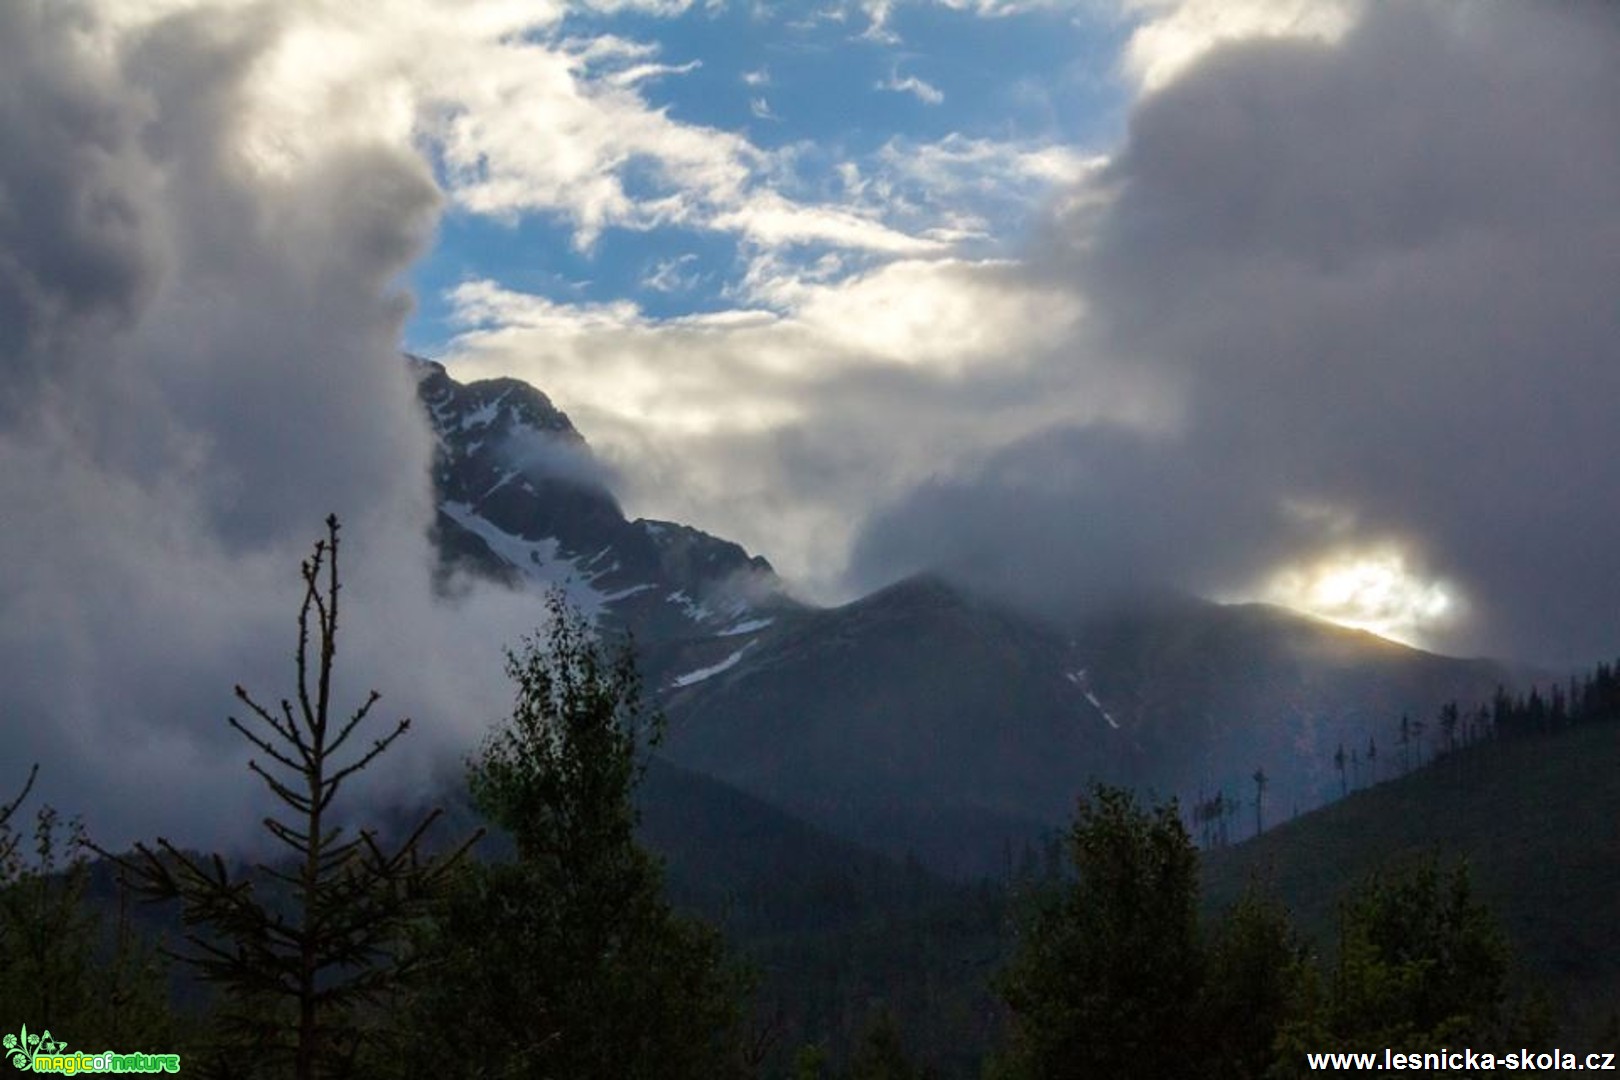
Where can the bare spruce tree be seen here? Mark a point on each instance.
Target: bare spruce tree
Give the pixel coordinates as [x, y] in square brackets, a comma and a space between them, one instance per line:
[302, 944]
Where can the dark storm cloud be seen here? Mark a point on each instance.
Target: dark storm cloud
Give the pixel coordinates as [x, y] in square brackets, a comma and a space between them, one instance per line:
[1383, 276]
[75, 246]
[1076, 517]
[199, 355]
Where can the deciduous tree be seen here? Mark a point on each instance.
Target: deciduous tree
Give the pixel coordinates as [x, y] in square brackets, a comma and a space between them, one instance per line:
[1105, 979]
[567, 961]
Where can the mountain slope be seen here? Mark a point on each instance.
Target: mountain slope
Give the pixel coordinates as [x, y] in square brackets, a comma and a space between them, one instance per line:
[922, 719]
[1537, 819]
[1215, 691]
[925, 719]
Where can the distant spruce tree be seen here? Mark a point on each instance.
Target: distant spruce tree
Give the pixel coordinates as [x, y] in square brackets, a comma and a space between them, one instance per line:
[1261, 780]
[301, 947]
[567, 961]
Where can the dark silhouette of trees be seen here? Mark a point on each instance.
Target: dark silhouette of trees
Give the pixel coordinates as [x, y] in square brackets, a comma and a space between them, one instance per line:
[1450, 717]
[1105, 978]
[1254, 973]
[880, 1054]
[57, 967]
[1592, 698]
[1114, 977]
[1421, 964]
[567, 961]
[301, 947]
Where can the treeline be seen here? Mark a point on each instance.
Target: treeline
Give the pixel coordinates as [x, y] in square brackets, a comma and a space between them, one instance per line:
[350, 954]
[1414, 743]
[1590, 698]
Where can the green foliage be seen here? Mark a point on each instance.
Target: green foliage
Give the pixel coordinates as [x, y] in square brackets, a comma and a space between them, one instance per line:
[1421, 965]
[1113, 977]
[61, 966]
[568, 961]
[1105, 980]
[302, 966]
[46, 933]
[1256, 981]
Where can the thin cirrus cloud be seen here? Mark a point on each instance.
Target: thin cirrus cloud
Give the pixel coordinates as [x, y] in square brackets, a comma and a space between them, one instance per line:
[925, 92]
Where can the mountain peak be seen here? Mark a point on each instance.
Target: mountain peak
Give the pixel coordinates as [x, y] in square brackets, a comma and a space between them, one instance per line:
[523, 500]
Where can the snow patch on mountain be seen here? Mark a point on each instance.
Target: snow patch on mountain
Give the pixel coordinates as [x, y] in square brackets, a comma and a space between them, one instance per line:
[695, 610]
[537, 560]
[485, 414]
[714, 669]
[747, 626]
[1078, 678]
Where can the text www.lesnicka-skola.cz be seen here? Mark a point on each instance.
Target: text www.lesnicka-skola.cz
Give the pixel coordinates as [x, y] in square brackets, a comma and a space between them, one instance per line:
[1464, 1061]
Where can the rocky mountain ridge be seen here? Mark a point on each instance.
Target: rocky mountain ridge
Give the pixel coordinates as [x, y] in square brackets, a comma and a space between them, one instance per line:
[922, 719]
[523, 500]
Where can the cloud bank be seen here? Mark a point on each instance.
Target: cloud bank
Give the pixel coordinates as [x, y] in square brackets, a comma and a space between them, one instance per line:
[1375, 278]
[199, 354]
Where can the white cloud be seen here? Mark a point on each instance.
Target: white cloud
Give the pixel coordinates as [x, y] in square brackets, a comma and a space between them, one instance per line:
[924, 92]
[662, 8]
[672, 275]
[1173, 34]
[958, 165]
[773, 220]
[878, 13]
[776, 427]
[523, 119]
[199, 334]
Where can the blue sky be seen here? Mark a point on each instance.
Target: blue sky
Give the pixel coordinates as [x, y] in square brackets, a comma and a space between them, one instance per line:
[793, 268]
[820, 90]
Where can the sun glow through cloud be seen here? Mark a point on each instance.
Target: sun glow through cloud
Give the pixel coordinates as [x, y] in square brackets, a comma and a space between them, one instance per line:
[1370, 589]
